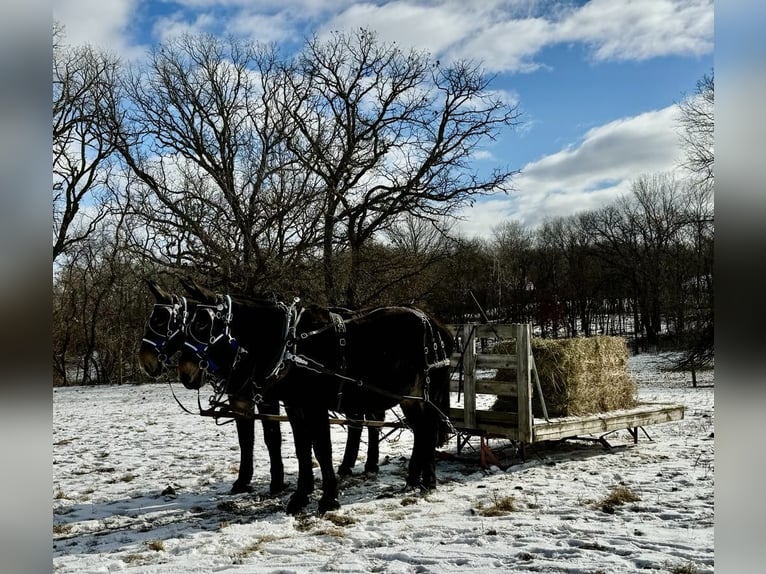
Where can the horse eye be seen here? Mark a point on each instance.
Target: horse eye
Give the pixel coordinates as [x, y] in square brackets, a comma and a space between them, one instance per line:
[202, 322]
[160, 317]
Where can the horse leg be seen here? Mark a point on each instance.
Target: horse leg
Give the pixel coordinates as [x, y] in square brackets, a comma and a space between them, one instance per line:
[302, 438]
[320, 425]
[373, 443]
[272, 437]
[422, 466]
[352, 446]
[246, 438]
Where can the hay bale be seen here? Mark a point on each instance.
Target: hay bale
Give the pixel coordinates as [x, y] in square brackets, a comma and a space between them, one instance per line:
[580, 376]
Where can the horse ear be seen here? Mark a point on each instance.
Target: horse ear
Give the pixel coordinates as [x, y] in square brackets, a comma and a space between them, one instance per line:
[159, 293]
[197, 291]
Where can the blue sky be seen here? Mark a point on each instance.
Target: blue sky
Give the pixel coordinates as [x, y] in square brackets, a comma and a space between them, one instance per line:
[596, 82]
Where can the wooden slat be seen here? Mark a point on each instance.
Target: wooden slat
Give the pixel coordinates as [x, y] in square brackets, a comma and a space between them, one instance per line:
[490, 387]
[488, 361]
[644, 415]
[523, 351]
[505, 331]
[483, 418]
[496, 361]
[469, 378]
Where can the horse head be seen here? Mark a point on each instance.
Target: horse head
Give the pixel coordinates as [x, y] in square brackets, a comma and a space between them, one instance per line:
[164, 331]
[240, 340]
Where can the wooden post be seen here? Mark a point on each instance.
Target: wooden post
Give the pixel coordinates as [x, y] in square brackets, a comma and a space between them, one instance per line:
[469, 377]
[523, 349]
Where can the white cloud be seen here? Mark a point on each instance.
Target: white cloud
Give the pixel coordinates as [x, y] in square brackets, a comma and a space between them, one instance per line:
[431, 27]
[587, 175]
[640, 29]
[506, 36]
[99, 23]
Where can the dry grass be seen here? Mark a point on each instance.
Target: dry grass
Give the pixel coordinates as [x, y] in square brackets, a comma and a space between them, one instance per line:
[156, 545]
[687, 568]
[339, 519]
[60, 529]
[498, 506]
[618, 496]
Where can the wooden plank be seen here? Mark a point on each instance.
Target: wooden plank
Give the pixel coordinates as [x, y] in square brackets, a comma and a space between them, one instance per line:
[506, 424]
[487, 361]
[469, 377]
[505, 331]
[486, 330]
[490, 387]
[523, 351]
[644, 415]
[498, 418]
[497, 361]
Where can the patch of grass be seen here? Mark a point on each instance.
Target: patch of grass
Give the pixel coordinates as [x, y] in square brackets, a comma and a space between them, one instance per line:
[62, 528]
[255, 546]
[304, 522]
[688, 568]
[156, 545]
[618, 496]
[333, 531]
[408, 501]
[339, 519]
[59, 494]
[498, 506]
[134, 558]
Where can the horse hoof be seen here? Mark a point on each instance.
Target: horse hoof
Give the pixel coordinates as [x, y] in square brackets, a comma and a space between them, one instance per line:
[275, 489]
[345, 471]
[371, 470]
[296, 504]
[239, 488]
[328, 505]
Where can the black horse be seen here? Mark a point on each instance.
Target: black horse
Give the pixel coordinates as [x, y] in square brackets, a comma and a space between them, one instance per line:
[315, 360]
[164, 336]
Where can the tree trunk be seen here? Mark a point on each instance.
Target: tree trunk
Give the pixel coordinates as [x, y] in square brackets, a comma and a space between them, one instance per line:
[327, 257]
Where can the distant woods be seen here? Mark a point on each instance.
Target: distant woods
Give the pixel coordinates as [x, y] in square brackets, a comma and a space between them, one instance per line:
[334, 175]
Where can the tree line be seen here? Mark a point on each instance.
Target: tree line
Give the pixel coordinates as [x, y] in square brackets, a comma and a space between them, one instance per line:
[334, 175]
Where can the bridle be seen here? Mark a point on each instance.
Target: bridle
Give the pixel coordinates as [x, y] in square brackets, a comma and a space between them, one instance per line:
[200, 335]
[203, 333]
[159, 334]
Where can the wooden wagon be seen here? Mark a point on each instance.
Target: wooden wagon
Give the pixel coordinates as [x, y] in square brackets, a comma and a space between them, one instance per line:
[519, 424]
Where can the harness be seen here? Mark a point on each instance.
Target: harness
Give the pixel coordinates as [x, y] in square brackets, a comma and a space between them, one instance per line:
[433, 345]
[221, 311]
[434, 355]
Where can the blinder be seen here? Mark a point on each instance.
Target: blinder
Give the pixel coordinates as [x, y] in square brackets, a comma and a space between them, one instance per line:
[165, 323]
[209, 325]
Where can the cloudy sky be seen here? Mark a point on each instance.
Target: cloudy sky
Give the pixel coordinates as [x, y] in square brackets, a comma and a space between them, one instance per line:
[596, 82]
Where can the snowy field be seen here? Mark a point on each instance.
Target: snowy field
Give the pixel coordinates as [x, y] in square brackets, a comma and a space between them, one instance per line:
[139, 486]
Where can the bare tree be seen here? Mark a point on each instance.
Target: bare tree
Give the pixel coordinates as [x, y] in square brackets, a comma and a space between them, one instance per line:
[84, 87]
[215, 188]
[697, 129]
[387, 132]
[511, 249]
[637, 236]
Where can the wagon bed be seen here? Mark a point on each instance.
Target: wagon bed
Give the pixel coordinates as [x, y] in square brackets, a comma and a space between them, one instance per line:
[520, 424]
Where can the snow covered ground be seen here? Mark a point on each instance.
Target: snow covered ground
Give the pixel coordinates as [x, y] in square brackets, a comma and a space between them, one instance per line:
[141, 486]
